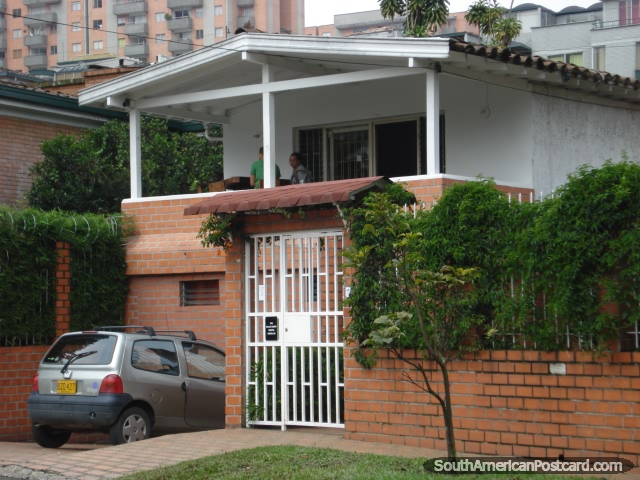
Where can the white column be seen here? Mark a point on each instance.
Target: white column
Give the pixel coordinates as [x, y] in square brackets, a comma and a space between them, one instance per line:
[269, 130]
[135, 153]
[433, 123]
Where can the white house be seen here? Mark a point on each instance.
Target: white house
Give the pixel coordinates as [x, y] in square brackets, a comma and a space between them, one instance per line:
[400, 108]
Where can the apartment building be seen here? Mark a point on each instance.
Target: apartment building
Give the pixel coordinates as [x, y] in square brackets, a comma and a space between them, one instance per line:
[372, 21]
[604, 36]
[36, 35]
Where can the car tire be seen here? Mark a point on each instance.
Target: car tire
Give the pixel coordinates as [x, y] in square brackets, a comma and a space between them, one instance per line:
[48, 437]
[133, 425]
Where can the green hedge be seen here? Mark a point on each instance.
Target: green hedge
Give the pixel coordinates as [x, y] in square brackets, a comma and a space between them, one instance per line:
[28, 264]
[559, 273]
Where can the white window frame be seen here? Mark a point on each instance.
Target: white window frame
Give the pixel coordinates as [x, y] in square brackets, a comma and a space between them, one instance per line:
[17, 33]
[219, 32]
[98, 45]
[75, 6]
[75, 27]
[217, 10]
[160, 38]
[76, 47]
[160, 17]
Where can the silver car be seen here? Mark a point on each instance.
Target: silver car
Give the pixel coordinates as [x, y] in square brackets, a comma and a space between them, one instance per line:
[128, 385]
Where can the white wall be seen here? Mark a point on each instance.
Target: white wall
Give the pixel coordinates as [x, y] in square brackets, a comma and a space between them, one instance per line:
[569, 134]
[528, 139]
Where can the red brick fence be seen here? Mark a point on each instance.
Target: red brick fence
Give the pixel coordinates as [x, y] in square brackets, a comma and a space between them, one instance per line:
[508, 403]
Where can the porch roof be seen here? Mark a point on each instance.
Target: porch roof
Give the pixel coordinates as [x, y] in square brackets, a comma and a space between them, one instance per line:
[289, 196]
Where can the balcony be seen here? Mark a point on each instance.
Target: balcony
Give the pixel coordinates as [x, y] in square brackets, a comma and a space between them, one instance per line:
[35, 41]
[243, 19]
[3, 43]
[3, 5]
[183, 24]
[132, 7]
[140, 51]
[599, 24]
[40, 19]
[183, 4]
[3, 63]
[136, 29]
[35, 61]
[39, 3]
[245, 3]
[180, 45]
[3, 24]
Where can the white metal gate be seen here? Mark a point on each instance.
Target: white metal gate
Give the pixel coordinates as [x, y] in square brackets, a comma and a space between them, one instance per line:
[294, 322]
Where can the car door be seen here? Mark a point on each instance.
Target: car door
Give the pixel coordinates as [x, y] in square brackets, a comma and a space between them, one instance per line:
[155, 377]
[205, 385]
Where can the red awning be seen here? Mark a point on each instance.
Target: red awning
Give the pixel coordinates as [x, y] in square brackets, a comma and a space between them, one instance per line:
[289, 196]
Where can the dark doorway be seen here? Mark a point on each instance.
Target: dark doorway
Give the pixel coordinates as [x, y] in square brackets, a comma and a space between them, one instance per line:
[397, 149]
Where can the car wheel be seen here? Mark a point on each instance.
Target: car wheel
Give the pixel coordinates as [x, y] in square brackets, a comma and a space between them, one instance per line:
[133, 425]
[48, 437]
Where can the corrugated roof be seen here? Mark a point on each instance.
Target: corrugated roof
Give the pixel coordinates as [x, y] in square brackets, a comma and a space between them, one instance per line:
[506, 55]
[289, 196]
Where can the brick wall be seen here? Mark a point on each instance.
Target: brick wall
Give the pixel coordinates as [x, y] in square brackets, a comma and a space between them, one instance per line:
[20, 141]
[505, 403]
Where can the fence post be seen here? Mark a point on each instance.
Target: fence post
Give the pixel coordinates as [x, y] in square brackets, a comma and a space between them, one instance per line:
[63, 288]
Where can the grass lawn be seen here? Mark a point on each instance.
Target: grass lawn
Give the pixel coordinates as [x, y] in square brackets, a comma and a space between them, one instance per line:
[305, 463]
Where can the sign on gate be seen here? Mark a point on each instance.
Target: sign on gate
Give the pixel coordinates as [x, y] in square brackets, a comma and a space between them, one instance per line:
[271, 329]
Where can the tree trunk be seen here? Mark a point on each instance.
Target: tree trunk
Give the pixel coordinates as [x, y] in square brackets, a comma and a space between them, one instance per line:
[448, 414]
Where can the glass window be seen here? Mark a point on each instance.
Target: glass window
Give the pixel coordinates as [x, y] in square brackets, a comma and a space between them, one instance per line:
[199, 34]
[38, 51]
[17, 53]
[180, 13]
[75, 27]
[199, 12]
[576, 59]
[97, 24]
[247, 12]
[219, 33]
[122, 21]
[89, 349]
[599, 58]
[98, 45]
[76, 47]
[54, 50]
[17, 33]
[75, 6]
[97, 3]
[17, 12]
[160, 17]
[122, 42]
[217, 10]
[326, 34]
[158, 356]
[53, 28]
[160, 38]
[204, 362]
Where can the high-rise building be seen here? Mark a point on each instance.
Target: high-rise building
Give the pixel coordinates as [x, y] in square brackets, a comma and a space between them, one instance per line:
[36, 35]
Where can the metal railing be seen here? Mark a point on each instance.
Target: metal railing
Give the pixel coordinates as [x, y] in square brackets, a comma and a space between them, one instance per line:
[599, 25]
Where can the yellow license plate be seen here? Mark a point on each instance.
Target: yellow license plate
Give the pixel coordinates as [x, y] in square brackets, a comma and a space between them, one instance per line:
[66, 387]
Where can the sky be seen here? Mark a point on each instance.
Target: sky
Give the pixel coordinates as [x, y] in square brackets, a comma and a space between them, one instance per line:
[321, 12]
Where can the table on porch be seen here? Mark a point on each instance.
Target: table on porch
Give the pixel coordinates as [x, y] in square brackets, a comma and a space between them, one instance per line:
[239, 183]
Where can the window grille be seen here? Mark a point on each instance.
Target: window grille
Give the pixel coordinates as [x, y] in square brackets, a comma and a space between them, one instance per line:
[199, 292]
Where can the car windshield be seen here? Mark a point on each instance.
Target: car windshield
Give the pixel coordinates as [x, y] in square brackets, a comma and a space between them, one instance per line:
[80, 346]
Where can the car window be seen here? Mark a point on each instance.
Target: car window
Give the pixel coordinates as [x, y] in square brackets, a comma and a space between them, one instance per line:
[85, 349]
[204, 362]
[157, 356]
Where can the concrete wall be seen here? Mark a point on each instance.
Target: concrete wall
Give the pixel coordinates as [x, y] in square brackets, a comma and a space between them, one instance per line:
[620, 48]
[563, 39]
[568, 134]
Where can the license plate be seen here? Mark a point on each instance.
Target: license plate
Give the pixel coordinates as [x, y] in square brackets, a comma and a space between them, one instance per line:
[66, 387]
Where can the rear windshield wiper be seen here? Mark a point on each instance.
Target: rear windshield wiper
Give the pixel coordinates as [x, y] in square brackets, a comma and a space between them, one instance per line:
[75, 357]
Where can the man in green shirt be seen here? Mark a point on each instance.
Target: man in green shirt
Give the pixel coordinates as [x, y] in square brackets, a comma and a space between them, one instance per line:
[257, 170]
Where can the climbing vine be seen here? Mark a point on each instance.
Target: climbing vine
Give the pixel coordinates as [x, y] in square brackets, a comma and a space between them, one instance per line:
[554, 274]
[28, 260]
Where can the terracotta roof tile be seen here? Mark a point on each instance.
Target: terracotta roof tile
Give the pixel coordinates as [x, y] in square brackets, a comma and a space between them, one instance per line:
[507, 56]
[290, 196]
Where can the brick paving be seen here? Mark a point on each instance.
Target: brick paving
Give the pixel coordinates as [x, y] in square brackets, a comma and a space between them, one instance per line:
[102, 462]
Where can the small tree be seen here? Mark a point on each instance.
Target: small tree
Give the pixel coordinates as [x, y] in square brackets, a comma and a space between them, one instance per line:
[90, 172]
[423, 16]
[490, 18]
[430, 310]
